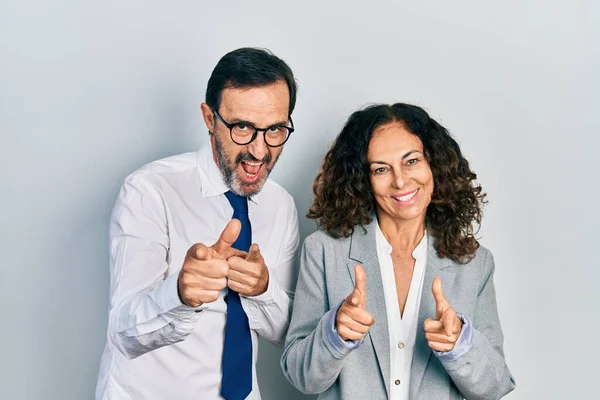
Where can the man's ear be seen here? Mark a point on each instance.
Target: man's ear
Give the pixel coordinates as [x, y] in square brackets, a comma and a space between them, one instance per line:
[208, 116]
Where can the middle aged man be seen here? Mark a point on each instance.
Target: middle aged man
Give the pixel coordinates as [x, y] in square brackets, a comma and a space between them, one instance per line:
[203, 248]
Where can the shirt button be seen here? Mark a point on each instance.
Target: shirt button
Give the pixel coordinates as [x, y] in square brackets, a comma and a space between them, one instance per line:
[397, 382]
[400, 345]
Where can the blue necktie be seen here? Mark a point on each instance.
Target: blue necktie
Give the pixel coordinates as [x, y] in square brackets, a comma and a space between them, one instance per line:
[236, 379]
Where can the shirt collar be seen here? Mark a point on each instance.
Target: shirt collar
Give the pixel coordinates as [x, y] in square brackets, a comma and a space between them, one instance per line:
[382, 243]
[421, 250]
[384, 246]
[211, 179]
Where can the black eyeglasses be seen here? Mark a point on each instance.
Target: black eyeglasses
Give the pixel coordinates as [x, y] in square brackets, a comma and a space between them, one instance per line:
[243, 133]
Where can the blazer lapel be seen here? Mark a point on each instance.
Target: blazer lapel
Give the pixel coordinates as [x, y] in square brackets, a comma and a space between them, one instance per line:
[422, 353]
[363, 249]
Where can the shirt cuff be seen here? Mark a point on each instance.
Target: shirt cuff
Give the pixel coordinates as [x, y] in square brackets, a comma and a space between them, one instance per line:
[340, 345]
[463, 343]
[269, 295]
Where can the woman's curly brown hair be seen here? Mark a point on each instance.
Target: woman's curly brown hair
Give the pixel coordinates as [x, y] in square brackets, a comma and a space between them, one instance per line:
[342, 189]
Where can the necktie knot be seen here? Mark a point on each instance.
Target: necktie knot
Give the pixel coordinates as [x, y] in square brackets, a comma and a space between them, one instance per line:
[239, 204]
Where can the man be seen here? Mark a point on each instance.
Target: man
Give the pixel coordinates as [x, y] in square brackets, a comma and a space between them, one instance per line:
[203, 248]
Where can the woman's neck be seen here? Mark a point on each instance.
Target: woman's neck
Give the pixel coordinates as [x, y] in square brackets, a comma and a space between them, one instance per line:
[403, 235]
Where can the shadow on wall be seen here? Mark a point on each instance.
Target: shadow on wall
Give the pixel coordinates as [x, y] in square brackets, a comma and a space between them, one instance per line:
[272, 382]
[298, 182]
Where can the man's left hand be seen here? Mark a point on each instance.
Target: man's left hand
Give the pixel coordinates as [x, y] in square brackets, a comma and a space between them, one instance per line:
[248, 276]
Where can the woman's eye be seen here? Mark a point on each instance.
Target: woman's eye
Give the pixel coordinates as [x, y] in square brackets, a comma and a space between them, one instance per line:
[412, 161]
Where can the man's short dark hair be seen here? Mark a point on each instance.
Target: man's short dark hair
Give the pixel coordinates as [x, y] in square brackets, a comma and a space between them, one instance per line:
[245, 68]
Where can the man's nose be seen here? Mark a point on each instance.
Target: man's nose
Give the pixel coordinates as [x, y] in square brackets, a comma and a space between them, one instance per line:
[258, 148]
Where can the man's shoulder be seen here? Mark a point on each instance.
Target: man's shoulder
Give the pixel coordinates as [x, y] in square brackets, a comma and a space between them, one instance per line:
[163, 169]
[274, 192]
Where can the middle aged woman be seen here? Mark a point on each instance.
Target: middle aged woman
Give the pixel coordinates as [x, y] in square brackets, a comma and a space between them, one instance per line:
[395, 297]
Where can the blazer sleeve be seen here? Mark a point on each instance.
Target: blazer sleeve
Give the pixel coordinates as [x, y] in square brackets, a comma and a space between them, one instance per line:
[482, 373]
[309, 361]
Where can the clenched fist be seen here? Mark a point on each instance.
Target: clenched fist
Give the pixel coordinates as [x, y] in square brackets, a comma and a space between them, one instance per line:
[205, 269]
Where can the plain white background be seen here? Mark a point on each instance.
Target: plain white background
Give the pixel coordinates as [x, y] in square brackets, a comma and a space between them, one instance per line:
[90, 91]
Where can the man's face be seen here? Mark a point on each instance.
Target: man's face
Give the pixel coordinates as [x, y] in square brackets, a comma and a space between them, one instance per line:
[245, 168]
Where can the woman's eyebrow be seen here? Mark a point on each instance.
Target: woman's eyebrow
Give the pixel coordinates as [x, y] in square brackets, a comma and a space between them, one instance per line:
[411, 152]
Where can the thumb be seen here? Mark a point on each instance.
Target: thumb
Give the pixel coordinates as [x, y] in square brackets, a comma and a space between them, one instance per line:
[254, 254]
[228, 236]
[360, 285]
[440, 301]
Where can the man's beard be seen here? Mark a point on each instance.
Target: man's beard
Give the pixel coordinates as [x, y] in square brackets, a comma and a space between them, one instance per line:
[231, 176]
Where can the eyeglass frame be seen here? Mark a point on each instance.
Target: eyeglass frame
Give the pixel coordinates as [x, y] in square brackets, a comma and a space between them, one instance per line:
[230, 126]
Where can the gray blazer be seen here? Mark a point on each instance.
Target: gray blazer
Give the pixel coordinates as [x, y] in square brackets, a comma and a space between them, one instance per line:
[312, 365]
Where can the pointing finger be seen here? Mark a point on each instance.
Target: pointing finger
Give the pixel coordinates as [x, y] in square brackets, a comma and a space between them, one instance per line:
[254, 254]
[448, 320]
[199, 252]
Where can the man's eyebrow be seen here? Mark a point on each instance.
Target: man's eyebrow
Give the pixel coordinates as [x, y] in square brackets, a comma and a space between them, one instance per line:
[239, 120]
[243, 121]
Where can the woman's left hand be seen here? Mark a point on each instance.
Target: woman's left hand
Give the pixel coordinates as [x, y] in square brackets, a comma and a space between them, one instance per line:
[443, 332]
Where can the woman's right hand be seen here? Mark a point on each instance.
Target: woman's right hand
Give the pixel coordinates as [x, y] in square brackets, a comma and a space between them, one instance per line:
[353, 320]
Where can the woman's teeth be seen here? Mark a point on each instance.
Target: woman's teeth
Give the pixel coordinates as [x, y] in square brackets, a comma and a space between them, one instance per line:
[407, 197]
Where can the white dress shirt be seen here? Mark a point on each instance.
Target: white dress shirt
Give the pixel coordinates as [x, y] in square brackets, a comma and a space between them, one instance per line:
[157, 347]
[402, 328]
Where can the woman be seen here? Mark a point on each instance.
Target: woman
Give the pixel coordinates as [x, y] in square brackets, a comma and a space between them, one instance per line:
[395, 297]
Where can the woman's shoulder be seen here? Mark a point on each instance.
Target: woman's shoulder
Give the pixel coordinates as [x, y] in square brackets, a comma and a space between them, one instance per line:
[482, 254]
[482, 261]
[324, 239]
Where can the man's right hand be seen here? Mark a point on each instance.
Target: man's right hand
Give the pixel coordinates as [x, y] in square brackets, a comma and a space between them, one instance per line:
[205, 269]
[353, 320]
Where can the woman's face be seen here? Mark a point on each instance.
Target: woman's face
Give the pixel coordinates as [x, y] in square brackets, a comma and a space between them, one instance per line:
[401, 179]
